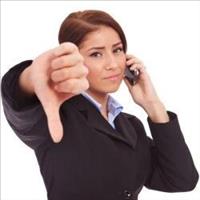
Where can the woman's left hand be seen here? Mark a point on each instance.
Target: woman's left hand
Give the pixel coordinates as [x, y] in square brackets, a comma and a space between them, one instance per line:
[143, 92]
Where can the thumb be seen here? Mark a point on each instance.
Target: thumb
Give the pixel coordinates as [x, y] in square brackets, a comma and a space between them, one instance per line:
[54, 123]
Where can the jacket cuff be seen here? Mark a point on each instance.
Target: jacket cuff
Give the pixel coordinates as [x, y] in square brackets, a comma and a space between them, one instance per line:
[11, 89]
[169, 131]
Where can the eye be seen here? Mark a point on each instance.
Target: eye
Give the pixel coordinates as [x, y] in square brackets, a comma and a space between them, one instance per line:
[118, 50]
[96, 54]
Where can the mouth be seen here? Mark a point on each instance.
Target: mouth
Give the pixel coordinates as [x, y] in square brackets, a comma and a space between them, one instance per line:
[113, 77]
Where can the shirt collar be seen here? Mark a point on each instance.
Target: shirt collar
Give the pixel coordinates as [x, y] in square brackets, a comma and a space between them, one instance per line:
[92, 100]
[113, 106]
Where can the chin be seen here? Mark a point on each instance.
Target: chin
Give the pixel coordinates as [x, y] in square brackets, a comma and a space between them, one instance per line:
[105, 88]
[111, 88]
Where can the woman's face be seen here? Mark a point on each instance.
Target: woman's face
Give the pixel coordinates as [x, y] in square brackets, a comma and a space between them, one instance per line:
[104, 56]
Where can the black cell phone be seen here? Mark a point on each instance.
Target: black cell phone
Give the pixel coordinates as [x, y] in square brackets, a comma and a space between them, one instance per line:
[131, 75]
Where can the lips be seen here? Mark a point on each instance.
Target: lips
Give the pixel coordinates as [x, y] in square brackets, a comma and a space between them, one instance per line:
[114, 76]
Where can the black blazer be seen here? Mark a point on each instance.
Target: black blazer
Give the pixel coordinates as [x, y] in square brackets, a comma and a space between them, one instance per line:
[94, 161]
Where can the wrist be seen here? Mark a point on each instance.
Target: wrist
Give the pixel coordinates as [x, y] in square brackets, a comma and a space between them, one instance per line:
[156, 112]
[25, 82]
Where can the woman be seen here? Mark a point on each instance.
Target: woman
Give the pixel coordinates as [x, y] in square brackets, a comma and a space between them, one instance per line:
[87, 148]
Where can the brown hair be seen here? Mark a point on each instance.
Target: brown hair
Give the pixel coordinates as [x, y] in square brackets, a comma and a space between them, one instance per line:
[75, 26]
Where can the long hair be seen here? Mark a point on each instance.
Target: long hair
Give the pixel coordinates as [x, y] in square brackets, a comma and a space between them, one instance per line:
[78, 24]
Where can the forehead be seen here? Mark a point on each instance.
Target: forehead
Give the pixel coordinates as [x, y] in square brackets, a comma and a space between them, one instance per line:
[102, 36]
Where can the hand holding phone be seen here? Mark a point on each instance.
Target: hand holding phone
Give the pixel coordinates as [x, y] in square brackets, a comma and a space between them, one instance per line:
[131, 75]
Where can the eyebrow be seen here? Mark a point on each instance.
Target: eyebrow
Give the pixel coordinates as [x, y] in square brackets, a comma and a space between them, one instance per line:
[102, 47]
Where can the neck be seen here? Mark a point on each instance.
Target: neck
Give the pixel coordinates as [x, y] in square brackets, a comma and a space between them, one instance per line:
[101, 98]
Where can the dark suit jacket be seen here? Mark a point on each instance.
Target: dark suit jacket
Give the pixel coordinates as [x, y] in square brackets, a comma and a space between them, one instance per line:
[95, 161]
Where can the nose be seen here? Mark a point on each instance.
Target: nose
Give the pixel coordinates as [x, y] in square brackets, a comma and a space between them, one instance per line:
[111, 62]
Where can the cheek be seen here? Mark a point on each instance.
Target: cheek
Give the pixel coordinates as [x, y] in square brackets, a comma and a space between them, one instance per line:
[122, 61]
[95, 70]
[94, 74]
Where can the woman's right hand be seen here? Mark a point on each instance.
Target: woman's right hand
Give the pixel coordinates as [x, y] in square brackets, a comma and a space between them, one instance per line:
[55, 76]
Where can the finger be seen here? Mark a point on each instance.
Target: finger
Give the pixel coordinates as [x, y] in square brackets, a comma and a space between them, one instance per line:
[65, 48]
[54, 123]
[68, 73]
[133, 60]
[66, 61]
[138, 66]
[74, 86]
[129, 56]
[130, 62]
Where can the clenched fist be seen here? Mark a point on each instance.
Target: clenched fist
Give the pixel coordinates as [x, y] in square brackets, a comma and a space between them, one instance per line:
[55, 76]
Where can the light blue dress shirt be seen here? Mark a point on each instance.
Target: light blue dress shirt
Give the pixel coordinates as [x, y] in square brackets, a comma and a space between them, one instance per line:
[114, 108]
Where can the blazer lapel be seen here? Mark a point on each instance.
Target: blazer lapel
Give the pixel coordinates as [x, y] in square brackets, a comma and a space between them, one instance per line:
[124, 131]
[124, 126]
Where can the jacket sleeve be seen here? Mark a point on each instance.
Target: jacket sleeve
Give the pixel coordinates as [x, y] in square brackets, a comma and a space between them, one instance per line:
[172, 167]
[24, 114]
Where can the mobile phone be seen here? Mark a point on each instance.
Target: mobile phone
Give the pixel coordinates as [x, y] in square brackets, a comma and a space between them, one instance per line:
[131, 75]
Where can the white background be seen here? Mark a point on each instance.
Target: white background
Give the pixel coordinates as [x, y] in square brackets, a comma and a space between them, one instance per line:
[165, 35]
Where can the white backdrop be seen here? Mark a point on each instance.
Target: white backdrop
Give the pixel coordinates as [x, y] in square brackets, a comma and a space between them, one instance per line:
[165, 35]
